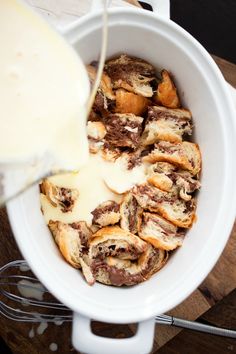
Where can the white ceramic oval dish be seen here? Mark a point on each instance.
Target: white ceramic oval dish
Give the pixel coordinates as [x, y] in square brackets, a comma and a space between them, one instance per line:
[203, 90]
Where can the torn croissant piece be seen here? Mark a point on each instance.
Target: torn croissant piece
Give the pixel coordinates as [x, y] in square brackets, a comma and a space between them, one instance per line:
[110, 153]
[129, 102]
[72, 240]
[166, 124]
[180, 212]
[123, 130]
[59, 197]
[131, 74]
[160, 232]
[186, 184]
[185, 155]
[150, 197]
[158, 175]
[162, 167]
[107, 213]
[161, 181]
[131, 214]
[166, 92]
[133, 158]
[105, 96]
[96, 132]
[168, 178]
[118, 257]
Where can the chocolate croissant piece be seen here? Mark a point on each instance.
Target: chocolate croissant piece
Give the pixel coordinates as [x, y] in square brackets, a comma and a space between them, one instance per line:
[132, 74]
[107, 213]
[118, 257]
[167, 204]
[129, 102]
[105, 96]
[72, 240]
[166, 94]
[123, 130]
[170, 178]
[166, 124]
[59, 197]
[160, 232]
[131, 214]
[185, 155]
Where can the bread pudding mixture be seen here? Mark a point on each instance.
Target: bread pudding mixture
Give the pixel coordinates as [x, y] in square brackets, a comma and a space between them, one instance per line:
[122, 214]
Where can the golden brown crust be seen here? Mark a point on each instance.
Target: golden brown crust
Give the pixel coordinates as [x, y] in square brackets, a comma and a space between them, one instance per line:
[159, 232]
[72, 240]
[166, 204]
[169, 178]
[68, 241]
[166, 92]
[129, 102]
[124, 259]
[96, 130]
[185, 219]
[185, 155]
[115, 232]
[160, 181]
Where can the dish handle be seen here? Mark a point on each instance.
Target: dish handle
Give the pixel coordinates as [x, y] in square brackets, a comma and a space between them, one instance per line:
[161, 7]
[85, 341]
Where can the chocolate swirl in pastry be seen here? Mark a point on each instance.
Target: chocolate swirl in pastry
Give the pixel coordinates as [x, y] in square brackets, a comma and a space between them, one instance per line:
[178, 211]
[105, 97]
[132, 74]
[72, 240]
[169, 178]
[118, 257]
[166, 124]
[131, 214]
[123, 130]
[59, 197]
[107, 213]
[160, 232]
[185, 155]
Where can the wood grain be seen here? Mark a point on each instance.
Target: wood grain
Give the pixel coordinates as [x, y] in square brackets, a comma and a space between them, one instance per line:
[220, 282]
[222, 314]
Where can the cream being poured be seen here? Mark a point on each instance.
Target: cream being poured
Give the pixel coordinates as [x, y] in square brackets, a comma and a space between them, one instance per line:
[44, 90]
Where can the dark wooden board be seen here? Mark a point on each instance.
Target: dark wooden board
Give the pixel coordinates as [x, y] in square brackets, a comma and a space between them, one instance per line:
[205, 300]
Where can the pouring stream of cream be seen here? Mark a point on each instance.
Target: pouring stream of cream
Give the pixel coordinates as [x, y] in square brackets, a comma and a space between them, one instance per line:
[44, 89]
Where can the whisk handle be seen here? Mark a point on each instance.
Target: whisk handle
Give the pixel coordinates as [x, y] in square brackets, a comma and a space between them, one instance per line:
[196, 326]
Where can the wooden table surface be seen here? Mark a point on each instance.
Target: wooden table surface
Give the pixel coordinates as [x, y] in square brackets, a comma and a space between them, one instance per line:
[219, 283]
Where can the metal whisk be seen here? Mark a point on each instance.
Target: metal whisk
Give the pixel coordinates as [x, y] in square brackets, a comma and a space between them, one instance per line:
[11, 283]
[9, 287]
